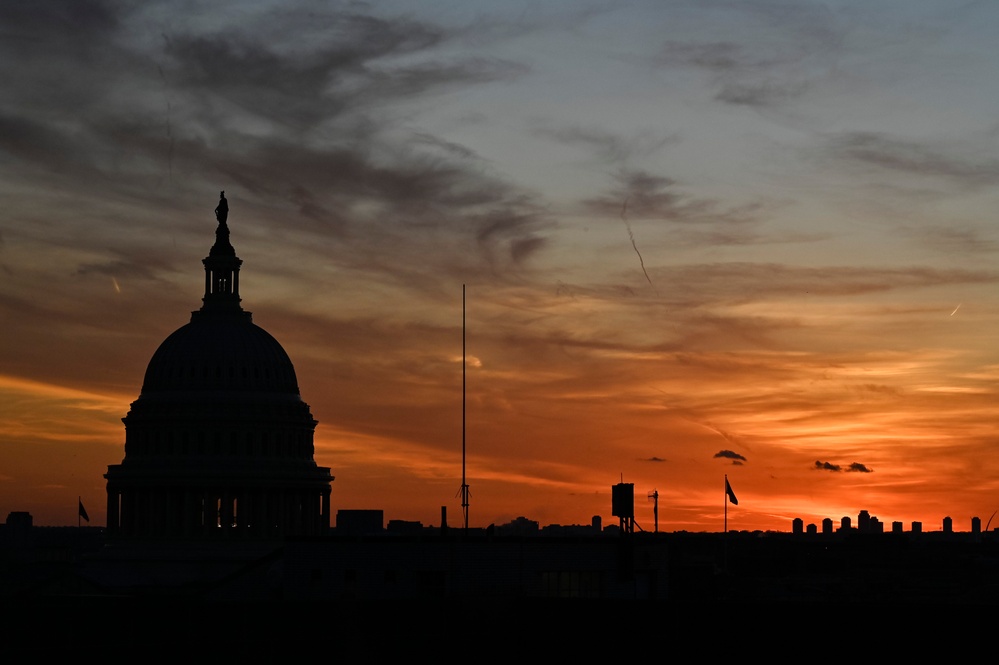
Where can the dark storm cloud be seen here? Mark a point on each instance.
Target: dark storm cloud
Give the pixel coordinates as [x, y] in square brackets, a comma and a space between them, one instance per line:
[651, 196]
[860, 468]
[728, 454]
[827, 466]
[914, 158]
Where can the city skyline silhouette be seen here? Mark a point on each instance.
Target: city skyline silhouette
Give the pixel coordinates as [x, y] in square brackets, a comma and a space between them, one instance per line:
[696, 243]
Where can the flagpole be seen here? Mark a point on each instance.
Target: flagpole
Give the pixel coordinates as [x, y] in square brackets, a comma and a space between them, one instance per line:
[464, 369]
[725, 532]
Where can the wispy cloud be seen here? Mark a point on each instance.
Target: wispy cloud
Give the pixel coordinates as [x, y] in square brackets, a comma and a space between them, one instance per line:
[656, 197]
[894, 154]
[855, 467]
[608, 147]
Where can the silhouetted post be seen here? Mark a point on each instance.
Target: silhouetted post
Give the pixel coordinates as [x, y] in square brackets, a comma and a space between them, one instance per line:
[654, 495]
[464, 365]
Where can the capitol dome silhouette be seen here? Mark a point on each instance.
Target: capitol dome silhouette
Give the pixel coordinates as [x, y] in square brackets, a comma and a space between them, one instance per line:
[219, 443]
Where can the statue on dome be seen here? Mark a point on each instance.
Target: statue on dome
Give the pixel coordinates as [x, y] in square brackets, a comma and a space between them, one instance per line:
[222, 210]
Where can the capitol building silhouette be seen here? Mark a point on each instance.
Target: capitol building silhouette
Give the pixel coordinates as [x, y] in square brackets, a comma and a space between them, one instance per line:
[219, 444]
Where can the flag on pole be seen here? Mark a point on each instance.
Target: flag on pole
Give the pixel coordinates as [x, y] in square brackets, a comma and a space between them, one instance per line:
[730, 493]
[83, 511]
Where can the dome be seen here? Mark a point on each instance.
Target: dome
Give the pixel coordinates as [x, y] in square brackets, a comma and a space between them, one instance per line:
[220, 353]
[219, 444]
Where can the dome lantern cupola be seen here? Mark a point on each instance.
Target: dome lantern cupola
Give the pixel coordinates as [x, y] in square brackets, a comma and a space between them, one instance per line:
[222, 269]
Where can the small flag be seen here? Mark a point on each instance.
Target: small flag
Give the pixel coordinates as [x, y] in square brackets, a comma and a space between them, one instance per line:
[83, 511]
[730, 493]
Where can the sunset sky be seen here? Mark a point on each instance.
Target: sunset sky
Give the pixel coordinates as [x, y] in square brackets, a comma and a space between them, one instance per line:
[755, 238]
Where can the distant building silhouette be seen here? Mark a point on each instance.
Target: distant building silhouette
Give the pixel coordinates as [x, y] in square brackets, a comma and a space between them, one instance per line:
[19, 520]
[520, 526]
[896, 527]
[359, 522]
[404, 527]
[976, 525]
[797, 525]
[219, 444]
[948, 525]
[864, 522]
[917, 527]
[827, 526]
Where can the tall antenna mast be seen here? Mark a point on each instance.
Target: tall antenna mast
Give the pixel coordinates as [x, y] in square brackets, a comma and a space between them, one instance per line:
[464, 485]
[654, 495]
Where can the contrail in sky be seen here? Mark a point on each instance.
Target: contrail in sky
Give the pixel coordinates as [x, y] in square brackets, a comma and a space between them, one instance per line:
[624, 218]
[956, 308]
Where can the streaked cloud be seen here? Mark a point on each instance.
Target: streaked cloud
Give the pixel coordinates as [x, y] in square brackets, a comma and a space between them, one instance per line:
[915, 158]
